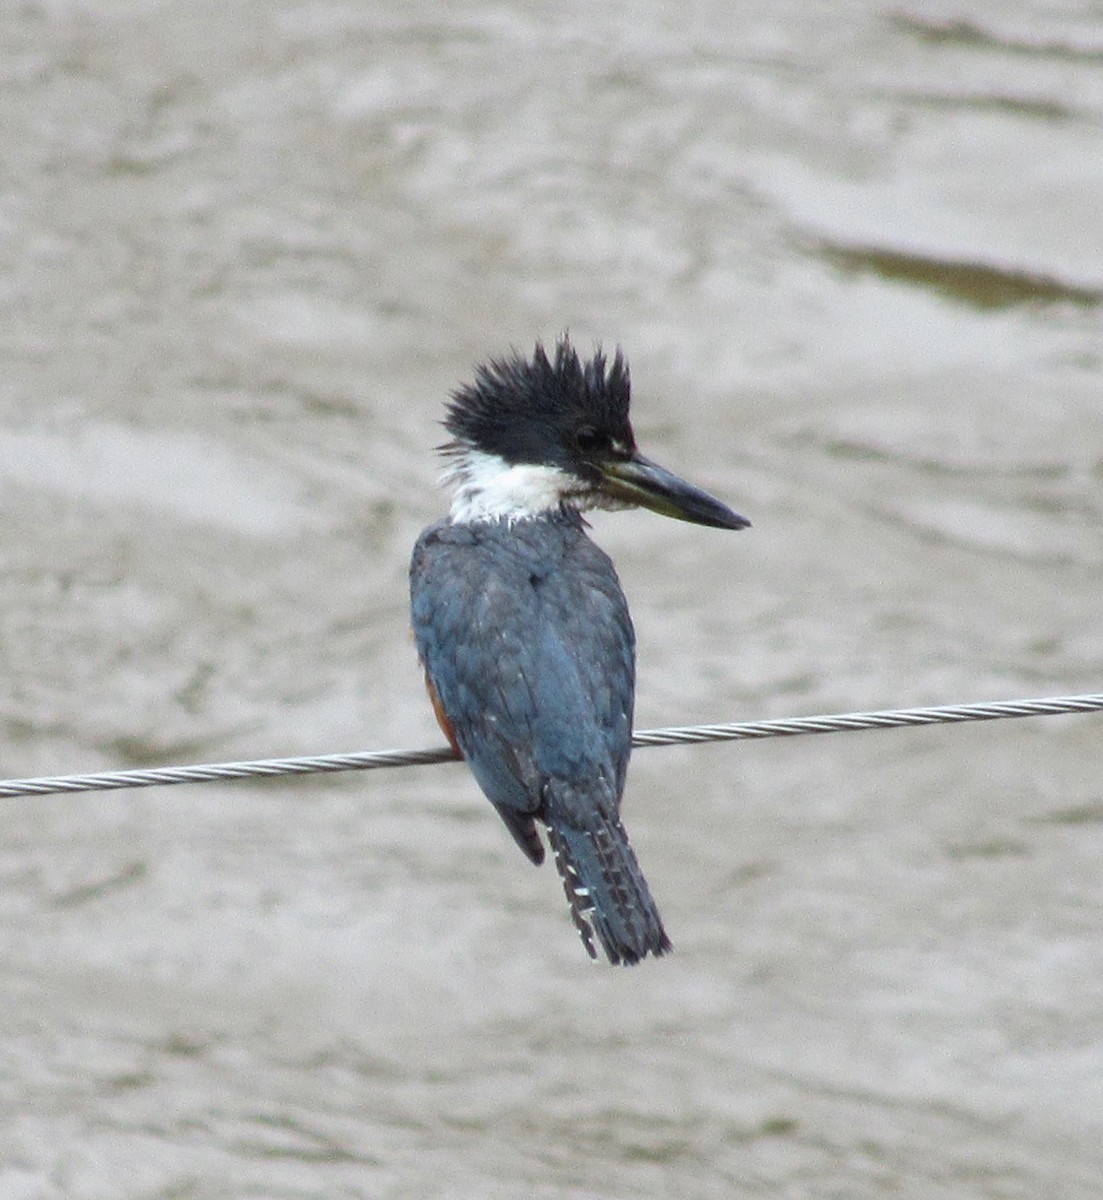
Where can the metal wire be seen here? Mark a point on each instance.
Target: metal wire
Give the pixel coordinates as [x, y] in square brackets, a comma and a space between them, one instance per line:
[684, 735]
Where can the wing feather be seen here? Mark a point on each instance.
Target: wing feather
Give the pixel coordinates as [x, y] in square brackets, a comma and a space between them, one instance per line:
[525, 635]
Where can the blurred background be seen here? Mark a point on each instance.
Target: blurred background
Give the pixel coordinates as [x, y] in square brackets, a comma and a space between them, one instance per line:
[854, 253]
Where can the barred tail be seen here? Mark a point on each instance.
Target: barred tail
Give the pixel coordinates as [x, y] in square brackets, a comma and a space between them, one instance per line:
[607, 892]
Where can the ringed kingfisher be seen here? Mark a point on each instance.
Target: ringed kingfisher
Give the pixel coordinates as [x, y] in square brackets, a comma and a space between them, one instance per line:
[523, 629]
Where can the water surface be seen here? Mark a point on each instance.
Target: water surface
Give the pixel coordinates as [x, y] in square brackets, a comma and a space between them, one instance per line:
[854, 255]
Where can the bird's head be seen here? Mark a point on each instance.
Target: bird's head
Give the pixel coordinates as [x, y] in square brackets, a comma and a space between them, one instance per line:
[530, 436]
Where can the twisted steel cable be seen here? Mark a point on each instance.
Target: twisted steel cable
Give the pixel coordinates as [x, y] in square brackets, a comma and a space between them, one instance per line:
[679, 735]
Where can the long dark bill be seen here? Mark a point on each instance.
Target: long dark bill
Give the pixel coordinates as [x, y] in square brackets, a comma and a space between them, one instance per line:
[638, 480]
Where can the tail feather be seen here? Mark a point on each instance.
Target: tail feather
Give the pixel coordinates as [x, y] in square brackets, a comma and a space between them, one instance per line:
[607, 892]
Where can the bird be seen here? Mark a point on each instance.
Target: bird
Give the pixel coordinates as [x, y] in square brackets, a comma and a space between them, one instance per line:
[522, 627]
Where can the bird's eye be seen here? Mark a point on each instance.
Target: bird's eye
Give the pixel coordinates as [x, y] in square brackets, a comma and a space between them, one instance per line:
[590, 440]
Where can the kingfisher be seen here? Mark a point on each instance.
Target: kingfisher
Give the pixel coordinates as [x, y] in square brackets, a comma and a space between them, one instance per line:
[523, 629]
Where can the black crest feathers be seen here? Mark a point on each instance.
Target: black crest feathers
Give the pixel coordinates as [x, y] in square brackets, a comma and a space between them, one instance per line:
[522, 409]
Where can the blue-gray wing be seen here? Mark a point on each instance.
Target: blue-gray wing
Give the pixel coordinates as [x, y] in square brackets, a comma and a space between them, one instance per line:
[525, 636]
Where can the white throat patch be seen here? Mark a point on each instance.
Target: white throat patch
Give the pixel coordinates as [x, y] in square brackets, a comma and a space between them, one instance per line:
[489, 488]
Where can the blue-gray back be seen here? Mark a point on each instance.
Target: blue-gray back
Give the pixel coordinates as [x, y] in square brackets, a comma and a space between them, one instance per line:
[525, 634]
